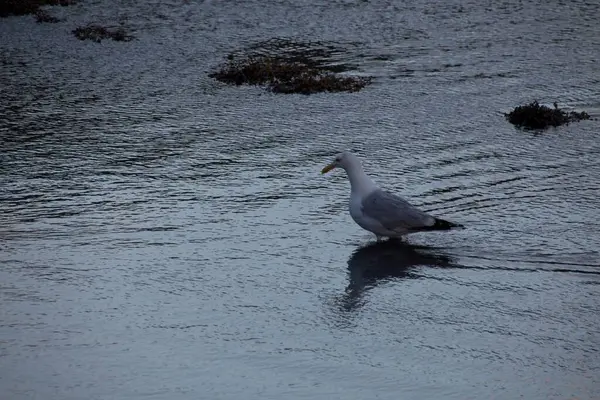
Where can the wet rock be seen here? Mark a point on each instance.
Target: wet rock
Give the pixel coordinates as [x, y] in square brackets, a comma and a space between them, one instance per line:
[289, 67]
[97, 33]
[25, 7]
[536, 116]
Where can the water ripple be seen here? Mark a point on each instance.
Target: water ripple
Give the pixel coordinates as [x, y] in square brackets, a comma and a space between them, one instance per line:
[153, 217]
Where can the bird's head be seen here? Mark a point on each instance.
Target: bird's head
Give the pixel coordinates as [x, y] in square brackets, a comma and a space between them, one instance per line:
[345, 160]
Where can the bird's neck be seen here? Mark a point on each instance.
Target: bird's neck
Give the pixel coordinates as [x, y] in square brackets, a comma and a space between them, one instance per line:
[359, 181]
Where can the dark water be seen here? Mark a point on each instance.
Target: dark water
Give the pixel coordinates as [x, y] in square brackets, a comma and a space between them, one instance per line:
[166, 237]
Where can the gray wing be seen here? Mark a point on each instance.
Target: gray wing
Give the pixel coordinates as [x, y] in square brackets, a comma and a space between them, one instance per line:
[394, 212]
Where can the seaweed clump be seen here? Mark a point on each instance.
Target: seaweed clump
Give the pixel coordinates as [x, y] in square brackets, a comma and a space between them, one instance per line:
[25, 7]
[302, 70]
[536, 116]
[97, 33]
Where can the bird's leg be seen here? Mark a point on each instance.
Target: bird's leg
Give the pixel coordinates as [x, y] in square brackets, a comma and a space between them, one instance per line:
[398, 239]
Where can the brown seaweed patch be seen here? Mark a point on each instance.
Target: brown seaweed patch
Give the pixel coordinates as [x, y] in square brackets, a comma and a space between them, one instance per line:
[536, 116]
[285, 75]
[284, 66]
[25, 7]
[97, 33]
[308, 84]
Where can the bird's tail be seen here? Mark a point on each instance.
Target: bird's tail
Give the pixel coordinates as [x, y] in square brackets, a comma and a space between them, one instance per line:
[443, 225]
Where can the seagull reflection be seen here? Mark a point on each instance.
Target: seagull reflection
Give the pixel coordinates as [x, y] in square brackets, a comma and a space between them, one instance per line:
[380, 262]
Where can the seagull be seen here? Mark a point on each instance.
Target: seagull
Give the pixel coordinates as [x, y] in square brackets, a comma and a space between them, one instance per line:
[379, 211]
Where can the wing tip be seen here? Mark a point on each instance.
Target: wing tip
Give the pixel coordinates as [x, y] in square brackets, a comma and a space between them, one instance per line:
[443, 225]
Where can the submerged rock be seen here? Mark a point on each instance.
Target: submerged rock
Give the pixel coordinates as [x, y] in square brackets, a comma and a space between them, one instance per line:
[96, 33]
[294, 68]
[536, 116]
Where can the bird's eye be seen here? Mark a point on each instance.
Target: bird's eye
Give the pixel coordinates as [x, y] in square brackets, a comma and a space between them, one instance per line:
[338, 159]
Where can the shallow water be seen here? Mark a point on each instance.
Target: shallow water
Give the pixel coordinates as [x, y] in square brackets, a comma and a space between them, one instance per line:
[165, 236]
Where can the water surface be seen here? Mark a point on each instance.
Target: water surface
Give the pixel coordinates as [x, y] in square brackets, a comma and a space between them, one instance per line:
[165, 236]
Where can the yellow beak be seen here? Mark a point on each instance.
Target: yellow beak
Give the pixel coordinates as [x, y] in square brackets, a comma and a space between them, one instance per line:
[328, 168]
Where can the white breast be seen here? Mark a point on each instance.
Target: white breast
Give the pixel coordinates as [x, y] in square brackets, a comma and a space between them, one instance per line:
[356, 209]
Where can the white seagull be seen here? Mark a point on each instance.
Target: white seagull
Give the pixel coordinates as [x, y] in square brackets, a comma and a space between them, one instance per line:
[381, 212]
